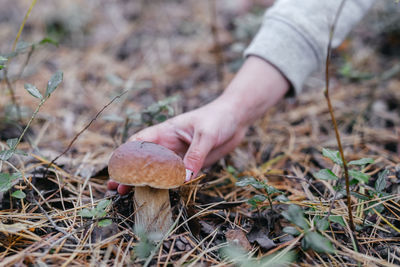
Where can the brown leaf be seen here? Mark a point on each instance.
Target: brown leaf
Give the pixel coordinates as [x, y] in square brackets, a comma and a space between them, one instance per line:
[238, 237]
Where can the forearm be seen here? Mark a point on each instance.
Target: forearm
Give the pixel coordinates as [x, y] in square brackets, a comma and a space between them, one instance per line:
[256, 87]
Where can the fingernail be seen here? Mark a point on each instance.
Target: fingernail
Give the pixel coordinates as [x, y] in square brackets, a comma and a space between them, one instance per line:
[189, 174]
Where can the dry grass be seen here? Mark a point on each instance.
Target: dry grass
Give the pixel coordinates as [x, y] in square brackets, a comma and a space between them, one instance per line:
[174, 52]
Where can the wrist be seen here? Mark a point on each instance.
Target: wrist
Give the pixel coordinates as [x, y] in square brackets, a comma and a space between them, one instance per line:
[257, 86]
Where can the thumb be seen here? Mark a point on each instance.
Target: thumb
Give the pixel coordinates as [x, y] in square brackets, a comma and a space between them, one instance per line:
[149, 135]
[198, 150]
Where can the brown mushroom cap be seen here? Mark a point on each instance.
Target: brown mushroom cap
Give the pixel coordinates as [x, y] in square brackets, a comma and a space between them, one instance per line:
[142, 163]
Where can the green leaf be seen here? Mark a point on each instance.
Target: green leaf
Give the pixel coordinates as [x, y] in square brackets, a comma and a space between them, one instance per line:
[333, 155]
[337, 219]
[255, 200]
[48, 40]
[160, 118]
[380, 183]
[318, 243]
[362, 177]
[105, 222]
[281, 198]
[271, 190]
[348, 71]
[6, 154]
[363, 161]
[259, 198]
[19, 194]
[239, 257]
[12, 143]
[7, 180]
[295, 215]
[359, 196]
[325, 174]
[250, 181]
[3, 60]
[99, 213]
[33, 90]
[291, 230]
[231, 170]
[143, 249]
[54, 81]
[103, 204]
[86, 213]
[322, 224]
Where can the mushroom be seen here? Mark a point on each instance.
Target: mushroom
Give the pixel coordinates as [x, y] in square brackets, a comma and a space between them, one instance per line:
[152, 169]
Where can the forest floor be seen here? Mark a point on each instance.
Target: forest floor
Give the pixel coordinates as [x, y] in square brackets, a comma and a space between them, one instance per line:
[179, 55]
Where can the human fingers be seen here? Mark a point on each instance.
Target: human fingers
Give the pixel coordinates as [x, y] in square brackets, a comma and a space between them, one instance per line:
[112, 185]
[201, 145]
[150, 134]
[167, 134]
[124, 189]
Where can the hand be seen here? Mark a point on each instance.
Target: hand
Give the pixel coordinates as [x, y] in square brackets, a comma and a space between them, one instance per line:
[204, 135]
[200, 137]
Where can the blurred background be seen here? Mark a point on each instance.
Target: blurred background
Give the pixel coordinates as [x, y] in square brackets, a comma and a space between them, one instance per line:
[171, 57]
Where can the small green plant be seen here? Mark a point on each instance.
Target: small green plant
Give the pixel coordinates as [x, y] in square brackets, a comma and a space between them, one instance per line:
[360, 179]
[19, 194]
[347, 71]
[311, 232]
[3, 60]
[357, 175]
[7, 180]
[98, 212]
[271, 193]
[13, 111]
[241, 258]
[147, 243]
[53, 83]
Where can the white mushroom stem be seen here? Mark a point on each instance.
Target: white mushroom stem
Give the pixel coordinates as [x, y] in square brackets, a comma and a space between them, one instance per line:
[153, 209]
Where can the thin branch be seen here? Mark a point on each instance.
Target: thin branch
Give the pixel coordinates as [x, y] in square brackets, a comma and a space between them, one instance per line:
[28, 57]
[82, 131]
[328, 100]
[23, 24]
[52, 222]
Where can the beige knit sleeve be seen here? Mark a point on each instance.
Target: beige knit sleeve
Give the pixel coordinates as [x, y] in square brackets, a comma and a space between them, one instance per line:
[294, 35]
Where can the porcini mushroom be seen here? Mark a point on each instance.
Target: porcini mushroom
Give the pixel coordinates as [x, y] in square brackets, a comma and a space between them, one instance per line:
[152, 169]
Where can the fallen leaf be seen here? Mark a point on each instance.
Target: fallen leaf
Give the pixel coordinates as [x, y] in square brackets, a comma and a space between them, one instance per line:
[238, 237]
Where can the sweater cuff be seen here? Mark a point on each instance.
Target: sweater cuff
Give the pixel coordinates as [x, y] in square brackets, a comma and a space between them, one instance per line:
[282, 45]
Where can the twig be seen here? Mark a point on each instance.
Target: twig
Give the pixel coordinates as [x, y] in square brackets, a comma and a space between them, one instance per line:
[328, 100]
[28, 57]
[30, 120]
[52, 222]
[33, 3]
[82, 131]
